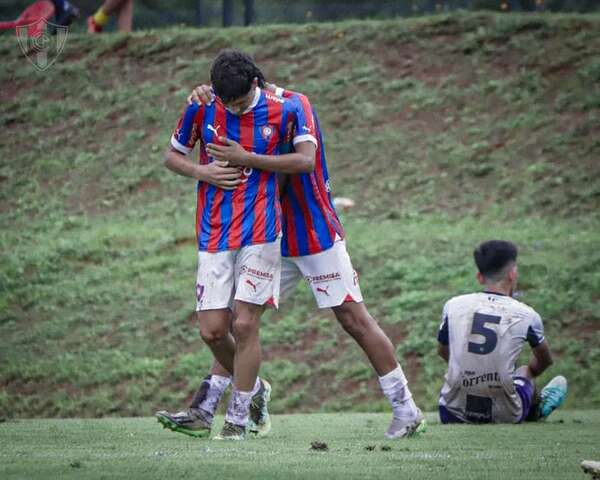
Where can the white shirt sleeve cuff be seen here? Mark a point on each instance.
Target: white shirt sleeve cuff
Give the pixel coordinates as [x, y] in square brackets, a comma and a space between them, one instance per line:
[179, 146]
[279, 91]
[305, 138]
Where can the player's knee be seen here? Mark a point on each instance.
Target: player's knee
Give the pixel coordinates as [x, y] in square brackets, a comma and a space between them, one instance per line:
[244, 327]
[213, 334]
[354, 321]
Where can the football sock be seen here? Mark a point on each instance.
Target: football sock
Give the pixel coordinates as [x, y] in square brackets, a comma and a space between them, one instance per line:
[256, 386]
[238, 409]
[100, 18]
[395, 388]
[216, 388]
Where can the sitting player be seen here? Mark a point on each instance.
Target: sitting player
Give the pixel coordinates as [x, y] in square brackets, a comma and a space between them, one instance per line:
[481, 337]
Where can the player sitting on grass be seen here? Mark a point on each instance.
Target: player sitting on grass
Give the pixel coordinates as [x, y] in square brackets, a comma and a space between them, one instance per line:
[313, 248]
[481, 337]
[238, 220]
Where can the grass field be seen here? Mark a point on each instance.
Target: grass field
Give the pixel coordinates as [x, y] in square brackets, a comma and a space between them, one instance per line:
[132, 448]
[467, 127]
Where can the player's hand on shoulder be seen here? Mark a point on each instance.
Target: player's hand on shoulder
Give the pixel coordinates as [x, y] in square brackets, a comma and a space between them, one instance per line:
[220, 174]
[230, 151]
[202, 95]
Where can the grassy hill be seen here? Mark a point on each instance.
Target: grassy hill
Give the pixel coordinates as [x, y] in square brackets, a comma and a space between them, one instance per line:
[446, 131]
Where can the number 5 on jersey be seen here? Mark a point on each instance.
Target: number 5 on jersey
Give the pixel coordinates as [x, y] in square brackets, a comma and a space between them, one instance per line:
[490, 336]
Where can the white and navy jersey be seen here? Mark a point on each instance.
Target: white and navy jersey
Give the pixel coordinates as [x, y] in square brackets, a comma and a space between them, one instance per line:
[485, 333]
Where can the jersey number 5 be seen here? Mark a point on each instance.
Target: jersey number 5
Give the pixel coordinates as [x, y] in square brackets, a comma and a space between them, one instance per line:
[479, 328]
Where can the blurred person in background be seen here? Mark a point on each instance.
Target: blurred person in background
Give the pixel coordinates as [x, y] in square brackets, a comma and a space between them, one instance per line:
[64, 12]
[123, 9]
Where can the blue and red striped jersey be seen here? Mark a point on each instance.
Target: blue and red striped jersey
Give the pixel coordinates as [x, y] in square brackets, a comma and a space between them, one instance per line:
[250, 214]
[310, 222]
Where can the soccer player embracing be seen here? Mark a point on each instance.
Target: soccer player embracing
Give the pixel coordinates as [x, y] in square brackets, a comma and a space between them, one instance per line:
[314, 248]
[238, 222]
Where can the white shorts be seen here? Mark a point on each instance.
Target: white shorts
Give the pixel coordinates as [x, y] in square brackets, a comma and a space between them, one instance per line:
[329, 273]
[250, 274]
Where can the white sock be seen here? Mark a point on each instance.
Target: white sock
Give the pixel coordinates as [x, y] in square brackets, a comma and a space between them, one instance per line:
[256, 386]
[218, 385]
[395, 388]
[238, 409]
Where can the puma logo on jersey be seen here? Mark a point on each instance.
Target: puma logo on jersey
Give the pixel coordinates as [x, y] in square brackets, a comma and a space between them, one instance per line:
[252, 284]
[324, 290]
[213, 129]
[304, 127]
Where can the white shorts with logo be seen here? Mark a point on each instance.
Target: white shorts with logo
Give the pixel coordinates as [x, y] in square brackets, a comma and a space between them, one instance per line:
[250, 274]
[330, 275]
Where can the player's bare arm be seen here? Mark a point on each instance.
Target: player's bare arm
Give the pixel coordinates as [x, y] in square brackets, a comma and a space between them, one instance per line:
[541, 359]
[301, 161]
[217, 173]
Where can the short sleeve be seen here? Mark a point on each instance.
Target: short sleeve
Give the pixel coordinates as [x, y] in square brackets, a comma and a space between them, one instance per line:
[443, 337]
[188, 129]
[535, 331]
[304, 125]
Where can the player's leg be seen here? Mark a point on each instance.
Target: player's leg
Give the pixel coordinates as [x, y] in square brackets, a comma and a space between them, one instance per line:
[335, 285]
[258, 269]
[539, 407]
[362, 327]
[214, 316]
[125, 18]
[215, 331]
[524, 383]
[98, 21]
[213, 386]
[356, 320]
[246, 365]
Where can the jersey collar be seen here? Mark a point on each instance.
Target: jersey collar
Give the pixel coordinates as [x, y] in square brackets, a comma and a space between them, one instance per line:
[495, 293]
[254, 101]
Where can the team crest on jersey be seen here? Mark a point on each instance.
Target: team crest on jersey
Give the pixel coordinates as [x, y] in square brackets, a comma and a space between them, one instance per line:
[266, 131]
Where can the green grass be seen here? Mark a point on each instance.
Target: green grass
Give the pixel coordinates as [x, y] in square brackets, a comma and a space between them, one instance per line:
[132, 448]
[446, 131]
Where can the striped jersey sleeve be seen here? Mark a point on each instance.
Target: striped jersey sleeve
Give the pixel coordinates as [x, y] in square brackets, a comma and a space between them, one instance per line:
[310, 222]
[188, 129]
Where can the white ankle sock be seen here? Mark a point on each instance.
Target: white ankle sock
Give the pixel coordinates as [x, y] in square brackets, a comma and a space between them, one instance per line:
[218, 385]
[238, 409]
[256, 386]
[395, 388]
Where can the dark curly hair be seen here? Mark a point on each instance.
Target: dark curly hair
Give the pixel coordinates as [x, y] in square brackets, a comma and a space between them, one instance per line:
[493, 256]
[232, 74]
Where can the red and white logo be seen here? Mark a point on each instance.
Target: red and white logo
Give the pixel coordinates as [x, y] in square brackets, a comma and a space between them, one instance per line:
[266, 131]
[252, 284]
[324, 290]
[328, 277]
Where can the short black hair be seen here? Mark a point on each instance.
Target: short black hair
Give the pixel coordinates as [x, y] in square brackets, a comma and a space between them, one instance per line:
[493, 256]
[232, 74]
